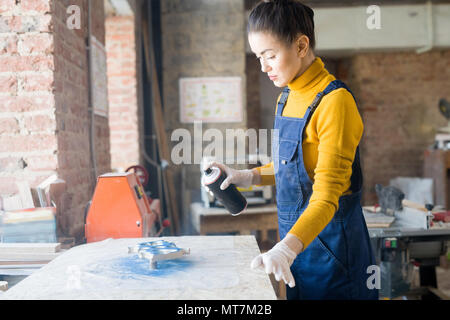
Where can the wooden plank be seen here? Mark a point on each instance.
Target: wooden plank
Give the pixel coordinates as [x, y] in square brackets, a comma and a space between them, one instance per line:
[25, 195]
[28, 256]
[15, 265]
[24, 264]
[378, 225]
[163, 145]
[414, 205]
[35, 248]
[377, 220]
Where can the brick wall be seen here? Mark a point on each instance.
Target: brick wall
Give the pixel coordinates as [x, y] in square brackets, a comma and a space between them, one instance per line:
[122, 91]
[397, 94]
[27, 106]
[44, 103]
[73, 118]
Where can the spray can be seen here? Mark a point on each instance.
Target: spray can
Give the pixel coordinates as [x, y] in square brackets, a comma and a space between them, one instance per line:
[231, 198]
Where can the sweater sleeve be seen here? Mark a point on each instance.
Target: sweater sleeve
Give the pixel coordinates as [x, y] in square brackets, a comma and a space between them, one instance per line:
[267, 174]
[339, 129]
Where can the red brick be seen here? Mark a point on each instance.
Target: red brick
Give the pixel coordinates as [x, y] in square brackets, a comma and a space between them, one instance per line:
[44, 162]
[122, 127]
[8, 44]
[39, 123]
[41, 142]
[28, 63]
[38, 82]
[24, 24]
[45, 23]
[120, 25]
[10, 24]
[27, 103]
[18, 24]
[8, 84]
[41, 6]
[41, 43]
[9, 126]
[7, 5]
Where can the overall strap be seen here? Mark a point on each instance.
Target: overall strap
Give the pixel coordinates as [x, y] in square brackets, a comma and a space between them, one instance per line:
[282, 101]
[333, 85]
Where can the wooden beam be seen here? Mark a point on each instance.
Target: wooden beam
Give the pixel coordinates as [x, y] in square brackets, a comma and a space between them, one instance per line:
[32, 248]
[158, 121]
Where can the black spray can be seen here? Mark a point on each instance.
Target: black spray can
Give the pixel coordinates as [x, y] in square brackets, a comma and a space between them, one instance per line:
[231, 198]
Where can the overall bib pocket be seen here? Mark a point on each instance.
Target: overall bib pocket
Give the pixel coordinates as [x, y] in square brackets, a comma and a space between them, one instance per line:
[288, 187]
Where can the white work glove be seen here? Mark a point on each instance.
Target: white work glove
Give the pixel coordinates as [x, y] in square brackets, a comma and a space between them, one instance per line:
[279, 259]
[240, 178]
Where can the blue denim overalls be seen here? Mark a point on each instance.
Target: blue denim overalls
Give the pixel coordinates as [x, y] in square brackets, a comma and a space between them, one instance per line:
[334, 265]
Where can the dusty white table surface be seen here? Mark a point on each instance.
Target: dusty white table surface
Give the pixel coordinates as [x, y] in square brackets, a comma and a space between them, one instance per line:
[217, 268]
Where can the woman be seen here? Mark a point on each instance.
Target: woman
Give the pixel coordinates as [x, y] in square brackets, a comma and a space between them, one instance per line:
[325, 248]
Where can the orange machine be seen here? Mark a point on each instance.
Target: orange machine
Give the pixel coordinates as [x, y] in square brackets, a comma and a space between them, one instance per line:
[119, 209]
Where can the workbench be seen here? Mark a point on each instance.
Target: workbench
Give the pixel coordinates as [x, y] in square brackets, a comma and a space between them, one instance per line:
[423, 246]
[217, 267]
[218, 220]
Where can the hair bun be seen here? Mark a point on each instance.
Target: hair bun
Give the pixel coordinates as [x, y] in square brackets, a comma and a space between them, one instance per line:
[310, 11]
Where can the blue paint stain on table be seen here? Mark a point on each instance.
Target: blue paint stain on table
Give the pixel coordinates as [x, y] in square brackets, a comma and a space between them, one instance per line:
[134, 267]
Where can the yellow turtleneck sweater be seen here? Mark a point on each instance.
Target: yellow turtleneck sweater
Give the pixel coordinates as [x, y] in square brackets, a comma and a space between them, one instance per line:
[329, 145]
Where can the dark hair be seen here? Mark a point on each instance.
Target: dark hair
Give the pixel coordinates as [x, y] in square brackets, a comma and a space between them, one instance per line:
[284, 19]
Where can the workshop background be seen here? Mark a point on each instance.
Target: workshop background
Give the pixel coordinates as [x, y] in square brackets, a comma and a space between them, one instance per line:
[75, 112]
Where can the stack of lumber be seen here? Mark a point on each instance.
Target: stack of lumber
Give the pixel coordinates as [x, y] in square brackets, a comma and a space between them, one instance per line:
[29, 256]
[28, 226]
[30, 215]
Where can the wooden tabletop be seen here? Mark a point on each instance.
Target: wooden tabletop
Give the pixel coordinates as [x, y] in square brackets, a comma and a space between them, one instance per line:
[217, 267]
